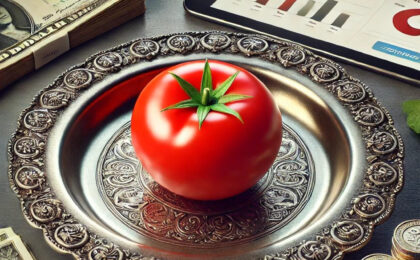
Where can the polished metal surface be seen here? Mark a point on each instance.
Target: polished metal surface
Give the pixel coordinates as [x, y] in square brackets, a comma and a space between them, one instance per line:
[357, 152]
[377, 257]
[154, 212]
[406, 240]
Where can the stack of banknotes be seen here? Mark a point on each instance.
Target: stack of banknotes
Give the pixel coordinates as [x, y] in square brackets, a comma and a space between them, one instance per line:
[34, 32]
[12, 246]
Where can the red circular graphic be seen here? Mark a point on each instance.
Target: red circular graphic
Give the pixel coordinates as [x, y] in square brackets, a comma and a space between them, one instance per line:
[400, 21]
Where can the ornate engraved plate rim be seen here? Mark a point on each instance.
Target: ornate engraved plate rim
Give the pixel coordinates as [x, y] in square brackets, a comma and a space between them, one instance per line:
[383, 144]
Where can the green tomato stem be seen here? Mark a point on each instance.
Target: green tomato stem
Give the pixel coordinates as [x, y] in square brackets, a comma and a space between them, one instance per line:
[208, 99]
[205, 98]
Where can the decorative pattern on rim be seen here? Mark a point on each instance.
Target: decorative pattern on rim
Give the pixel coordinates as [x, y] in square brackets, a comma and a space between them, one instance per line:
[276, 199]
[350, 231]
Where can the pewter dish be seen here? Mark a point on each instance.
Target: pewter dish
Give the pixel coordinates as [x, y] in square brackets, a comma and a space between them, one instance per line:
[335, 177]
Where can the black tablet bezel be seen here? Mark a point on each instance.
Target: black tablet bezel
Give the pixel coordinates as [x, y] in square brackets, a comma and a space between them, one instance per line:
[203, 9]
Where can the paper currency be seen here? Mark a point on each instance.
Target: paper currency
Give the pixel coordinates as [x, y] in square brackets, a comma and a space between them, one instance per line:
[14, 249]
[6, 233]
[12, 246]
[20, 19]
[34, 32]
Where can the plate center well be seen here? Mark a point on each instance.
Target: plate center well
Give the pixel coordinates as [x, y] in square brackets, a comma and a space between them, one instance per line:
[151, 210]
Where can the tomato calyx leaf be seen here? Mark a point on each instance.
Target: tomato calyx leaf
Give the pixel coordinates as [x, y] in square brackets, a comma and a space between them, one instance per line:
[222, 88]
[183, 104]
[206, 80]
[232, 98]
[202, 113]
[208, 98]
[227, 110]
[188, 88]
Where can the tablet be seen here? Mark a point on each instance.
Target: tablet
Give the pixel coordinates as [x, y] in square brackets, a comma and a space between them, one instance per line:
[382, 35]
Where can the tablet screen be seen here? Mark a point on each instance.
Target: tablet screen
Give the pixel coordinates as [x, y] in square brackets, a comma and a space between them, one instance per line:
[382, 31]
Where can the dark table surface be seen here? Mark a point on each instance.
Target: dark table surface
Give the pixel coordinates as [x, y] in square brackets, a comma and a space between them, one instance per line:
[390, 92]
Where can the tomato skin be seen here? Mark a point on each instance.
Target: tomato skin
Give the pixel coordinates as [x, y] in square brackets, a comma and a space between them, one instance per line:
[223, 158]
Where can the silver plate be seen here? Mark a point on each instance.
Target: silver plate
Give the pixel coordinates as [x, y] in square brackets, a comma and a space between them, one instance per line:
[151, 210]
[72, 166]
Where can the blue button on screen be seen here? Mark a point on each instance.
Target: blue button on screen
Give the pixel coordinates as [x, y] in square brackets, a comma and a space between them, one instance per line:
[396, 51]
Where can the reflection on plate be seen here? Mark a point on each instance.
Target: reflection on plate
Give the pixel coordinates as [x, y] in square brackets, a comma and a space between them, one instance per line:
[71, 166]
[134, 197]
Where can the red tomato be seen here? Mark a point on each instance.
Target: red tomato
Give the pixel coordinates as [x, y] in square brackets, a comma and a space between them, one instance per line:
[222, 158]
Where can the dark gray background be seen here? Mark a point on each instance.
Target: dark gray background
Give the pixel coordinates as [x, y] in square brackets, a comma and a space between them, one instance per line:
[390, 92]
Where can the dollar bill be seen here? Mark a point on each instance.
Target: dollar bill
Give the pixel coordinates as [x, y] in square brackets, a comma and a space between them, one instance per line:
[14, 249]
[6, 233]
[20, 19]
[46, 11]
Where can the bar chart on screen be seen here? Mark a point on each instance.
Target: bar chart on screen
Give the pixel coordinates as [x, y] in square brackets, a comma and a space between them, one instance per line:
[388, 29]
[324, 19]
